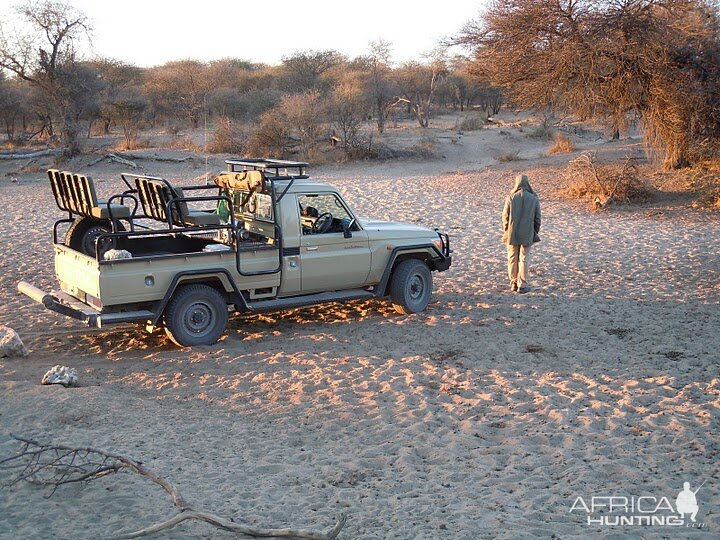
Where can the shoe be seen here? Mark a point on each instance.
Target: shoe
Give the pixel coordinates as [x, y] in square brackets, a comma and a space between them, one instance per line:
[513, 287]
[523, 289]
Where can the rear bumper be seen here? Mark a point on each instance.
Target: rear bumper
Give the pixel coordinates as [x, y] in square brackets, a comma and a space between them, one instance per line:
[61, 303]
[67, 305]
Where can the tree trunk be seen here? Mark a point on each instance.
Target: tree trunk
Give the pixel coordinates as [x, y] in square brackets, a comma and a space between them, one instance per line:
[677, 161]
[47, 127]
[70, 131]
[380, 115]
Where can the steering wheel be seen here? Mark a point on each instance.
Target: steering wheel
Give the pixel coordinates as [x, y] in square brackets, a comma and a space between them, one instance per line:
[322, 223]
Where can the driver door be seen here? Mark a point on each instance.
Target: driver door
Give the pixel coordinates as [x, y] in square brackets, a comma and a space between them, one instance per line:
[328, 260]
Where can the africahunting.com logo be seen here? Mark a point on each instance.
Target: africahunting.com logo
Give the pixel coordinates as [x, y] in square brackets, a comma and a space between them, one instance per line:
[646, 510]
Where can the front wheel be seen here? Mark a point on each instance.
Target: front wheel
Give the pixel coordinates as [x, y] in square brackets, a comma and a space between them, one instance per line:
[196, 315]
[411, 286]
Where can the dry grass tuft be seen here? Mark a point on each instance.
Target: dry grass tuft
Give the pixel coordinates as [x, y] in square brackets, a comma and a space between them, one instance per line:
[133, 144]
[507, 157]
[561, 145]
[425, 148]
[470, 123]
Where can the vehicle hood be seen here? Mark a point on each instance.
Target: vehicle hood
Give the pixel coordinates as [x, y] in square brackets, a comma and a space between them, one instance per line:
[393, 229]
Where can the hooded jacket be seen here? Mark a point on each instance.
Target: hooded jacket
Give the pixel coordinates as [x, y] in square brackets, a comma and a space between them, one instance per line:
[521, 215]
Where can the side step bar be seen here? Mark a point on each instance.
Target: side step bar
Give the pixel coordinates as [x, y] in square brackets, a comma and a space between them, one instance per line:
[299, 301]
[69, 306]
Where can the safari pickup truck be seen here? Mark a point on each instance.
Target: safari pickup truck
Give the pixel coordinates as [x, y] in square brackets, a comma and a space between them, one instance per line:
[272, 239]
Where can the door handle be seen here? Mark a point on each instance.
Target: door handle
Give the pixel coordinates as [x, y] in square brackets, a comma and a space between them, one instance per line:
[312, 248]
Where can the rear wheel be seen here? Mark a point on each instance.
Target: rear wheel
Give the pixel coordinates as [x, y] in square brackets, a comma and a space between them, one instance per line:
[411, 286]
[196, 315]
[84, 232]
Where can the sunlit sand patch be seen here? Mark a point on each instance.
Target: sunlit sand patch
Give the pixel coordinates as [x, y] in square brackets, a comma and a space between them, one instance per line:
[603, 377]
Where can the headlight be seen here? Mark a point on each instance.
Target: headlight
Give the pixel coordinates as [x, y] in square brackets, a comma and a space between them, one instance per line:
[439, 244]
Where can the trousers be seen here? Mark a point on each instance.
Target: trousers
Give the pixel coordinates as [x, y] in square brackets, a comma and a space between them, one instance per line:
[518, 262]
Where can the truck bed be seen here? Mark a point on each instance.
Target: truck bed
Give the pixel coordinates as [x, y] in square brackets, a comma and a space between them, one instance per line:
[155, 263]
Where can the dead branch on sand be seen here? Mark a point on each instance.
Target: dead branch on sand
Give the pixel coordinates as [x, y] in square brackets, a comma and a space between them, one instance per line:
[608, 183]
[57, 465]
[114, 158]
[36, 154]
[156, 157]
[129, 160]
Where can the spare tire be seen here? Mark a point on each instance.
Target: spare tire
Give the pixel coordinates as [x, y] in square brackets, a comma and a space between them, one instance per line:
[84, 232]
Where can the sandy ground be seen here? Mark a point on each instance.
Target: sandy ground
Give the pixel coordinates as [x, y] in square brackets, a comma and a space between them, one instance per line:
[486, 416]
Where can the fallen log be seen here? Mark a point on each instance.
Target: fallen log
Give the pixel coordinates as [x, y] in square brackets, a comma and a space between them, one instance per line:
[129, 160]
[122, 161]
[36, 154]
[155, 157]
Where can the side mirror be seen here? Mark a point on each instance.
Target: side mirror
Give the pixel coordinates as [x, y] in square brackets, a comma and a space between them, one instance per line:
[347, 227]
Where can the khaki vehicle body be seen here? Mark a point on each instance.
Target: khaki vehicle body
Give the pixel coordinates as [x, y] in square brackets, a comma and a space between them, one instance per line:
[126, 281]
[288, 243]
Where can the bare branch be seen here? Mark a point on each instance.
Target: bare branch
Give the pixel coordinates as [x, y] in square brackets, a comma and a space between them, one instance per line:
[57, 465]
[231, 526]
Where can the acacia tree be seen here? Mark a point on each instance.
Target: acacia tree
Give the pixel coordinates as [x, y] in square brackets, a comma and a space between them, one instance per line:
[305, 114]
[118, 80]
[180, 88]
[348, 108]
[126, 110]
[11, 106]
[44, 56]
[656, 59]
[303, 70]
[419, 83]
[294, 126]
[468, 89]
[380, 86]
[271, 136]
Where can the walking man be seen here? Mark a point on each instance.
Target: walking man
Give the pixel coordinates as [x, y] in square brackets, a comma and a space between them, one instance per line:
[521, 224]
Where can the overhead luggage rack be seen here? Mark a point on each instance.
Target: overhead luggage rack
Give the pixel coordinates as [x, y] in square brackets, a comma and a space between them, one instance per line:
[274, 169]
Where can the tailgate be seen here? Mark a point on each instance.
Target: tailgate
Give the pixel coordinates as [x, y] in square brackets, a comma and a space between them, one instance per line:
[76, 271]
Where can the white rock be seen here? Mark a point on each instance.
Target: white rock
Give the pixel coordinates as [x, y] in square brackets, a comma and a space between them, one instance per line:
[216, 247]
[61, 375]
[10, 343]
[116, 254]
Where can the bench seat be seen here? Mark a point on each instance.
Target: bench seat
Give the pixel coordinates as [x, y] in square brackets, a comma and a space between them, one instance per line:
[119, 211]
[75, 193]
[157, 195]
[197, 218]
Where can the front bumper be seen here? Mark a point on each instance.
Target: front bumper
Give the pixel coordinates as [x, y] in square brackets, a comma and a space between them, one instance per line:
[445, 258]
[443, 264]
